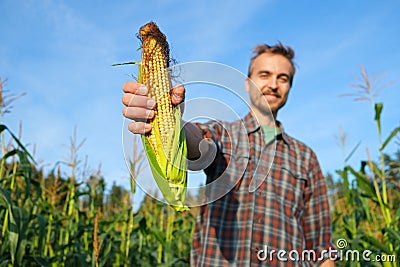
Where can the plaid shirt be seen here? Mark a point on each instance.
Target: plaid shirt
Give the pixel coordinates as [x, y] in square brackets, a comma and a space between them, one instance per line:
[270, 197]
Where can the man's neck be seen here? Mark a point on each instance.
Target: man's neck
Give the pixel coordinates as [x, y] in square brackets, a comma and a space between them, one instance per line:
[264, 119]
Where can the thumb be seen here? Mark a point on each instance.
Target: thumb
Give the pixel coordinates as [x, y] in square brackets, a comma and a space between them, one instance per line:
[178, 94]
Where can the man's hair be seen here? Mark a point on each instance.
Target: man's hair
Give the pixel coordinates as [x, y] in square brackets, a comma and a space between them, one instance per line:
[278, 49]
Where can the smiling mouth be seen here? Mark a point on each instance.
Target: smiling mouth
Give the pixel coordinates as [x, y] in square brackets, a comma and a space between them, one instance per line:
[277, 96]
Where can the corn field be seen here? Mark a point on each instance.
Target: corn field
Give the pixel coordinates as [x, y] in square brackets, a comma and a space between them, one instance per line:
[70, 219]
[366, 198]
[54, 220]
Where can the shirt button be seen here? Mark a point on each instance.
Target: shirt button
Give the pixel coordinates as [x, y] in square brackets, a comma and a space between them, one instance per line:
[258, 219]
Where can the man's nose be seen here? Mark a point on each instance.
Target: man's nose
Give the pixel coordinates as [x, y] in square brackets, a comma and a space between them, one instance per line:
[272, 83]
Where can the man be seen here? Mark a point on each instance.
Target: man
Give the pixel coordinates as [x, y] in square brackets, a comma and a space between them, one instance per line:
[273, 210]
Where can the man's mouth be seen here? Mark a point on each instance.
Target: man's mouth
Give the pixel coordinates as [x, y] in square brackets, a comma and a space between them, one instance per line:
[271, 95]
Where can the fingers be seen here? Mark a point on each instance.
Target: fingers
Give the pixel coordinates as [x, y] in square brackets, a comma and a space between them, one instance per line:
[178, 94]
[138, 106]
[132, 100]
[139, 127]
[136, 113]
[135, 88]
[140, 117]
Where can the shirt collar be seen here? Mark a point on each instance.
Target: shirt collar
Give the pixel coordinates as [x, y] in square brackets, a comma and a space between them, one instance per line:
[282, 134]
[252, 125]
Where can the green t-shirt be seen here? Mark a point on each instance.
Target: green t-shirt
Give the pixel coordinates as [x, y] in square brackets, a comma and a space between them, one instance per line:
[269, 133]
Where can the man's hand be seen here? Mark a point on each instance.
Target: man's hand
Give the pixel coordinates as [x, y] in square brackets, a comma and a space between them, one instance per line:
[328, 263]
[139, 107]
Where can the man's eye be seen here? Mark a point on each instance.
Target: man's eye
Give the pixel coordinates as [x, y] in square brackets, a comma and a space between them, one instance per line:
[283, 79]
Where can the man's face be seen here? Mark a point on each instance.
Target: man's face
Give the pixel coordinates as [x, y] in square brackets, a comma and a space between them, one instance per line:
[270, 82]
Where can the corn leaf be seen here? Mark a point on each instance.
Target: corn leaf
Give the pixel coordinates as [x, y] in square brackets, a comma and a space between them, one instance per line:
[377, 244]
[364, 184]
[13, 233]
[394, 234]
[3, 128]
[378, 112]
[352, 152]
[390, 137]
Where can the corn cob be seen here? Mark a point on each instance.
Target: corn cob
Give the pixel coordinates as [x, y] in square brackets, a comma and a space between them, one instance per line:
[165, 145]
[155, 61]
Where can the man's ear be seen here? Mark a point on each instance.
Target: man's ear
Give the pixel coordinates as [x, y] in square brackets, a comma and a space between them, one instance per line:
[247, 84]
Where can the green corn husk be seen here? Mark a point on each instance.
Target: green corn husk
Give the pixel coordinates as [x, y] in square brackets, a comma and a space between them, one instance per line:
[171, 175]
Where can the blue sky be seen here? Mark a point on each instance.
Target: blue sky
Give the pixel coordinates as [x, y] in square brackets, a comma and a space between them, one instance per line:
[60, 53]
